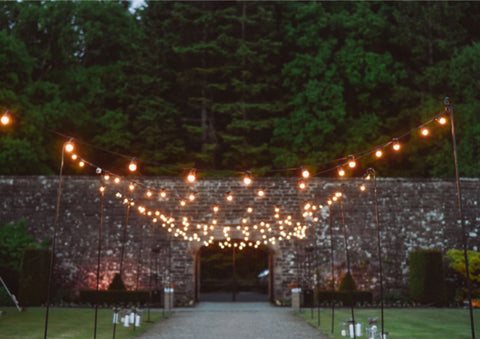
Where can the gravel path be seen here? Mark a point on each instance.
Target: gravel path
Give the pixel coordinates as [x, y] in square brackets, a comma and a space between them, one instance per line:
[233, 320]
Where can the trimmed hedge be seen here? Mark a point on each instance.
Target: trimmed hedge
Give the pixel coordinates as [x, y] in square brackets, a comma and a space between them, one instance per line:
[33, 284]
[113, 297]
[427, 280]
[346, 298]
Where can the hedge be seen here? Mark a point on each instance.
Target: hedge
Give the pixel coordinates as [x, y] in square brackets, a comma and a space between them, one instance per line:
[427, 281]
[34, 272]
[113, 297]
[346, 298]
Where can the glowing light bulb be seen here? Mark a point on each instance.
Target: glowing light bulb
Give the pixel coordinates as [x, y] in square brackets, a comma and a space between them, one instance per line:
[191, 196]
[229, 196]
[378, 153]
[425, 132]
[442, 120]
[5, 120]
[363, 188]
[396, 145]
[261, 192]
[338, 194]
[163, 193]
[302, 185]
[305, 173]
[106, 177]
[247, 179]
[215, 208]
[131, 187]
[183, 203]
[69, 146]
[191, 177]
[329, 202]
[102, 189]
[249, 210]
[117, 180]
[132, 167]
[149, 193]
[81, 164]
[341, 172]
[74, 157]
[351, 161]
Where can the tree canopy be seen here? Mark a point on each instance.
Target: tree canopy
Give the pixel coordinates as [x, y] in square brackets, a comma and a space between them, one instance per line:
[235, 86]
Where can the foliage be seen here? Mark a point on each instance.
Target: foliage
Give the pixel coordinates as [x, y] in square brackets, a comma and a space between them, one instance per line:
[427, 281]
[238, 85]
[34, 276]
[347, 283]
[117, 283]
[457, 262]
[14, 238]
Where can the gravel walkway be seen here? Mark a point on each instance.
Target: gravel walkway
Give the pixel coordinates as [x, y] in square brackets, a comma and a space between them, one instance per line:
[233, 320]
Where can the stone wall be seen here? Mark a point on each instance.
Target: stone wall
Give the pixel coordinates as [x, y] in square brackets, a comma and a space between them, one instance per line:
[413, 214]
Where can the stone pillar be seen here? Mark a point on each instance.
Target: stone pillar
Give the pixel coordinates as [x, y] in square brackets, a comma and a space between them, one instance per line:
[296, 298]
[168, 298]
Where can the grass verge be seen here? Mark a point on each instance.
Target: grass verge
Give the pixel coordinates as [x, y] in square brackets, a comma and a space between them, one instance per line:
[68, 323]
[421, 323]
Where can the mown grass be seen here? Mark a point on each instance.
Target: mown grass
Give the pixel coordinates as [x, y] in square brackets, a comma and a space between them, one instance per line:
[67, 323]
[438, 323]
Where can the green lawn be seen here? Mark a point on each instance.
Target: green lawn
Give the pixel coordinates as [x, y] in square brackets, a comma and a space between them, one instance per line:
[422, 323]
[66, 323]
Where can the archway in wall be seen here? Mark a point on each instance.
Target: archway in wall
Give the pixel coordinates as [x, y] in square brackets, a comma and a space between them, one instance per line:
[229, 274]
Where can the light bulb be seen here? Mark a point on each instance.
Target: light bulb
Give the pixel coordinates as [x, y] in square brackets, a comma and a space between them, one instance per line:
[442, 120]
[362, 188]
[163, 193]
[117, 180]
[106, 177]
[191, 196]
[341, 172]
[102, 189]
[378, 153]
[74, 157]
[396, 145]
[229, 196]
[351, 161]
[261, 192]
[247, 179]
[81, 164]
[132, 166]
[183, 203]
[215, 208]
[425, 132]
[5, 120]
[191, 176]
[131, 186]
[249, 210]
[149, 193]
[302, 185]
[305, 173]
[69, 146]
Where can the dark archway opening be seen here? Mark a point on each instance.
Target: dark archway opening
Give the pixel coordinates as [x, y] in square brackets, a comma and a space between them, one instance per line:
[230, 274]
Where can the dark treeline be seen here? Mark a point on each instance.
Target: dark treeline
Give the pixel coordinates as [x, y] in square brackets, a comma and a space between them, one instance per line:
[239, 85]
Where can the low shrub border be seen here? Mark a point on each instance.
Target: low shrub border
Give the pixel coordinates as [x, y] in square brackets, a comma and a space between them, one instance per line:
[113, 297]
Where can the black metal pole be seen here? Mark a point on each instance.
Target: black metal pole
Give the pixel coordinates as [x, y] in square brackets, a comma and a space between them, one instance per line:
[102, 190]
[333, 267]
[449, 109]
[124, 239]
[234, 276]
[348, 262]
[371, 172]
[139, 256]
[54, 237]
